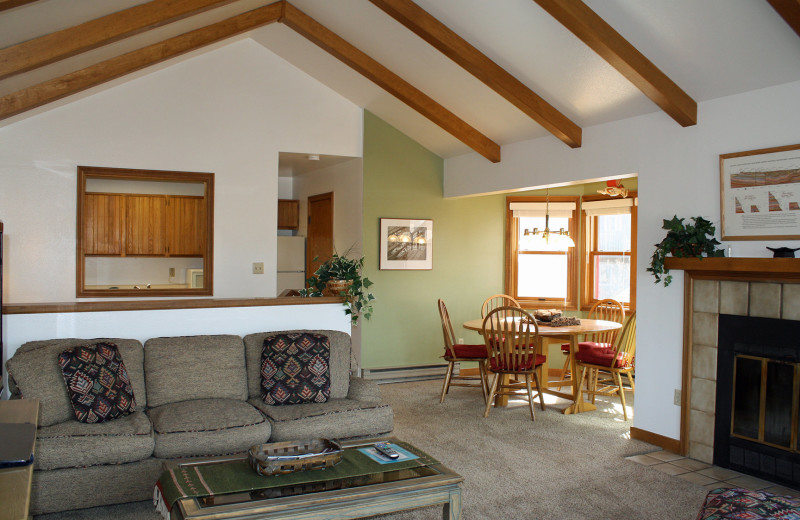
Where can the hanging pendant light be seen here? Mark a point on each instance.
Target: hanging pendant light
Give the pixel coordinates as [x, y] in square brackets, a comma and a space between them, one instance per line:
[546, 240]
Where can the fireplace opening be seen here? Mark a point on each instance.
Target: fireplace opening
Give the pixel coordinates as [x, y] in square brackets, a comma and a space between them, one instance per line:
[758, 396]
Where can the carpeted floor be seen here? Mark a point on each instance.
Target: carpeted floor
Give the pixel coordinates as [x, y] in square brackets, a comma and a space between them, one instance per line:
[560, 467]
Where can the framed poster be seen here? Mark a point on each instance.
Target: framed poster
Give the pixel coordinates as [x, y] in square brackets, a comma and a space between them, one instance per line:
[760, 194]
[406, 244]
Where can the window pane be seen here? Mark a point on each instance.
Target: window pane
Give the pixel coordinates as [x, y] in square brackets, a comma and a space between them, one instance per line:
[543, 276]
[612, 275]
[614, 232]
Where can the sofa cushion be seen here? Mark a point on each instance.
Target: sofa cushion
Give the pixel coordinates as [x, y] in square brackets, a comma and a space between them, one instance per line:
[339, 360]
[74, 444]
[338, 418]
[78, 488]
[194, 367]
[37, 375]
[295, 369]
[207, 427]
[97, 382]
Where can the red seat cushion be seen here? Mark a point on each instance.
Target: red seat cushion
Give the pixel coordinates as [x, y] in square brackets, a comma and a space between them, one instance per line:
[496, 364]
[598, 354]
[583, 345]
[470, 351]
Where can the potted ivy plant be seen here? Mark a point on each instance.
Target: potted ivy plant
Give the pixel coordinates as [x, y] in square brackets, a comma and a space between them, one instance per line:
[683, 240]
[342, 276]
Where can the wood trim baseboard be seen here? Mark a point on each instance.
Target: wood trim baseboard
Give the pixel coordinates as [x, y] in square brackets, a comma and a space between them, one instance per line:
[667, 443]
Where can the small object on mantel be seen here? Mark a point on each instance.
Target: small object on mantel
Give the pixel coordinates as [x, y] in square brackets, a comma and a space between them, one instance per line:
[783, 252]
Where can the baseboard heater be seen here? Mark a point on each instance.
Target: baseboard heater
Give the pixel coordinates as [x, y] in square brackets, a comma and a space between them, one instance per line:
[408, 373]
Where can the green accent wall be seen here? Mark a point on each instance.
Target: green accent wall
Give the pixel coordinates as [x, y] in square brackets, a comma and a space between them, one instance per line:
[402, 179]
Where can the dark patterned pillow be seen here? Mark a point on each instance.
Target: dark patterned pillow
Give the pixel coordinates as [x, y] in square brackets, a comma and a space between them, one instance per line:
[295, 369]
[97, 382]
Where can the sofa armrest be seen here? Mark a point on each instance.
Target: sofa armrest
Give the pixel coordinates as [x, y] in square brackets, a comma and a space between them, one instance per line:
[364, 390]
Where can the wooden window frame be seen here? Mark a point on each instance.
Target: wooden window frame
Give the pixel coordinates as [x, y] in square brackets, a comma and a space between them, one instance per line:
[88, 172]
[589, 245]
[512, 232]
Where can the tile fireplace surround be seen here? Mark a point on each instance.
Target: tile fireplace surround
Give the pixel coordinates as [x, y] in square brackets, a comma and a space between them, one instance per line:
[757, 287]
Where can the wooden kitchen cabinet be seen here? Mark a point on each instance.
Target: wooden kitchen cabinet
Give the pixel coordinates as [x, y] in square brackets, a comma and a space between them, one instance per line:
[288, 214]
[104, 217]
[117, 224]
[186, 226]
[145, 225]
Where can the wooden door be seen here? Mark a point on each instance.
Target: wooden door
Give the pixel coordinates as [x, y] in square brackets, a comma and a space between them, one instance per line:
[103, 218]
[145, 225]
[186, 226]
[319, 236]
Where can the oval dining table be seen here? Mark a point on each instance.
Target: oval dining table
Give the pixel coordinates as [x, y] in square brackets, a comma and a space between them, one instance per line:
[566, 333]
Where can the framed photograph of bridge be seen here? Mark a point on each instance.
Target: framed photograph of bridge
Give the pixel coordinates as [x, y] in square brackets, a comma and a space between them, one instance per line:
[406, 244]
[760, 194]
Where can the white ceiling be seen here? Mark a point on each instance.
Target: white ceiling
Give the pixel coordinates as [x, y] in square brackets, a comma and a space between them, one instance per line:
[710, 48]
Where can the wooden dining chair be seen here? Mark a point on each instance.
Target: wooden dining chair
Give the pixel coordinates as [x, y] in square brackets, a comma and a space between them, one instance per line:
[497, 300]
[608, 310]
[455, 352]
[512, 336]
[615, 361]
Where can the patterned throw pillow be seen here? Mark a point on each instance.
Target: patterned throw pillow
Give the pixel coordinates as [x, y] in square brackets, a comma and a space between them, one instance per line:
[97, 382]
[295, 369]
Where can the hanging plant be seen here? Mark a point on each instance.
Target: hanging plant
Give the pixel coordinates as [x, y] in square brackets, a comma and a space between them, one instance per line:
[342, 276]
[683, 241]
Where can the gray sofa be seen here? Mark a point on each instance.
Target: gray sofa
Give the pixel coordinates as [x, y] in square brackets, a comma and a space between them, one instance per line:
[195, 396]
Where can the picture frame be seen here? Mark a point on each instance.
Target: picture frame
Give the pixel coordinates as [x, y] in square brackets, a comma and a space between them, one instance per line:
[406, 244]
[760, 194]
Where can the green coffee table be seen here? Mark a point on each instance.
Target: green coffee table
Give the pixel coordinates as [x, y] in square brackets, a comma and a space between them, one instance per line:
[356, 497]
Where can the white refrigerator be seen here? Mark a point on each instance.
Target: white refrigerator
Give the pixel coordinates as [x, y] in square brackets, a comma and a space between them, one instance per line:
[291, 263]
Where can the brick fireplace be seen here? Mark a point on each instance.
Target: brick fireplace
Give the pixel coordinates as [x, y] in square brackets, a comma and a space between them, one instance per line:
[752, 287]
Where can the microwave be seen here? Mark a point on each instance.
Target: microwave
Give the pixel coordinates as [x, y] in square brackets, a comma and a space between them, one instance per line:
[194, 278]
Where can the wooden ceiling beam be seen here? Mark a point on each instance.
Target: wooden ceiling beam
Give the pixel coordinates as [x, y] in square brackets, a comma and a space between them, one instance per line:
[9, 4]
[74, 40]
[789, 11]
[430, 29]
[389, 81]
[52, 90]
[616, 50]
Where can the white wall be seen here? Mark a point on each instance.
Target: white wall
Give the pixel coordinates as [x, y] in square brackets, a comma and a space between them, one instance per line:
[346, 181]
[229, 111]
[678, 171]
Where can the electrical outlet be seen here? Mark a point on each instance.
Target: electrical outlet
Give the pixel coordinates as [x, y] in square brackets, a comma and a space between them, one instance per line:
[171, 272]
[258, 267]
[677, 398]
[460, 341]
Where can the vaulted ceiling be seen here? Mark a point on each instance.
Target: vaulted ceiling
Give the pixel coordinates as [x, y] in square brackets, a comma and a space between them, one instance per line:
[455, 75]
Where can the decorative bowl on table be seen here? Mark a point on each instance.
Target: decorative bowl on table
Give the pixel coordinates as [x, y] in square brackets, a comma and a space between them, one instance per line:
[546, 314]
[278, 458]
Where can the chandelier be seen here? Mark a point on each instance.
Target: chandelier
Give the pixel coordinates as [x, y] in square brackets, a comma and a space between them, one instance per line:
[545, 239]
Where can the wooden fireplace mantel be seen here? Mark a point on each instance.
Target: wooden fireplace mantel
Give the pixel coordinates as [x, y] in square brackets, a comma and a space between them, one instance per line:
[755, 269]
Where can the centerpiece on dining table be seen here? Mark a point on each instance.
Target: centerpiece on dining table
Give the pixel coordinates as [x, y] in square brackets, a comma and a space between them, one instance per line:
[553, 318]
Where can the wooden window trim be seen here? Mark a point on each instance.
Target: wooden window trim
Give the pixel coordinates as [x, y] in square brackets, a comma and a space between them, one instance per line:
[86, 172]
[512, 232]
[589, 244]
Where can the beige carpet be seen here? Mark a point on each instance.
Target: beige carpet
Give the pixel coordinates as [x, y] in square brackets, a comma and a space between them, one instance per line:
[559, 467]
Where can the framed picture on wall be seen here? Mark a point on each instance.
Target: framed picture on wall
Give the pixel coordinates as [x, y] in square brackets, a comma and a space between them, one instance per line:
[760, 194]
[406, 244]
